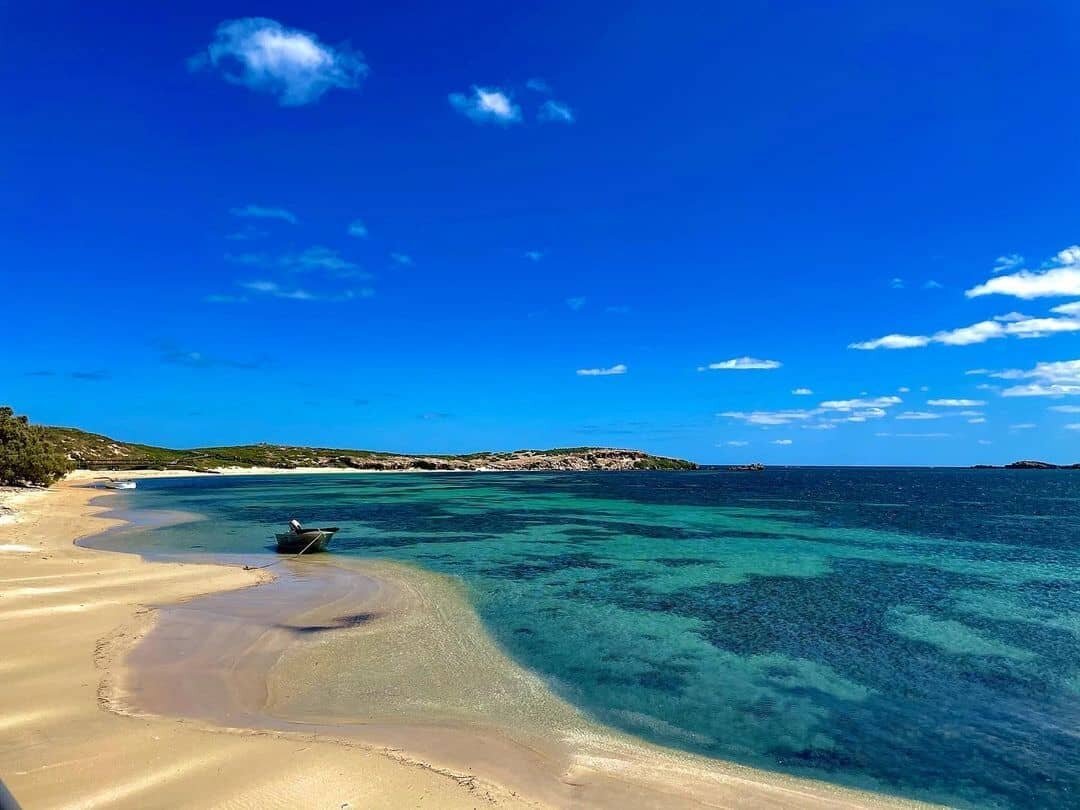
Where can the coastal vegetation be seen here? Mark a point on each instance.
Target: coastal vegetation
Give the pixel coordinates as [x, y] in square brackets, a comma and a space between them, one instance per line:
[27, 453]
[97, 452]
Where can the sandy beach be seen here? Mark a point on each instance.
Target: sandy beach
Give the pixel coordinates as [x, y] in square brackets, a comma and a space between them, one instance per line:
[163, 684]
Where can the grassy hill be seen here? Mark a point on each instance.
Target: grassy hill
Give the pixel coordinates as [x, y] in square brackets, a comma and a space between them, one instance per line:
[95, 452]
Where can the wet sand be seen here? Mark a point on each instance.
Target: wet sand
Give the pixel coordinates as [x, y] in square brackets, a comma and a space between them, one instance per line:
[344, 664]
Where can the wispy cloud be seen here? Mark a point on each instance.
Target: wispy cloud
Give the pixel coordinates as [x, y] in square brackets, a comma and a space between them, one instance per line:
[217, 298]
[89, 376]
[1003, 264]
[265, 212]
[358, 228]
[534, 255]
[956, 403]
[782, 442]
[1023, 426]
[272, 289]
[1048, 379]
[802, 392]
[1061, 278]
[771, 418]
[539, 86]
[892, 342]
[824, 417]
[1065, 408]
[401, 258]
[1073, 426]
[860, 403]
[742, 364]
[917, 415]
[932, 285]
[1011, 325]
[552, 111]
[613, 371]
[323, 259]
[577, 302]
[897, 283]
[1072, 308]
[737, 443]
[177, 356]
[247, 234]
[268, 57]
[486, 105]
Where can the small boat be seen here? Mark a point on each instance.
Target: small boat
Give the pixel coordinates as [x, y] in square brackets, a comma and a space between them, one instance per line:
[299, 540]
[113, 483]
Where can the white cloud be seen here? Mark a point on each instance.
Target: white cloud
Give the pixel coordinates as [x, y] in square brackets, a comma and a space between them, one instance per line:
[552, 111]
[932, 285]
[358, 228]
[402, 258]
[956, 403]
[1023, 426]
[771, 418]
[602, 372]
[985, 441]
[1003, 264]
[802, 392]
[892, 342]
[903, 389]
[539, 85]
[1012, 324]
[264, 212]
[860, 403]
[918, 415]
[286, 62]
[1062, 278]
[1073, 426]
[272, 288]
[1065, 408]
[1072, 308]
[978, 420]
[967, 335]
[576, 303]
[737, 444]
[1049, 379]
[534, 255]
[819, 426]
[486, 106]
[783, 442]
[324, 259]
[742, 364]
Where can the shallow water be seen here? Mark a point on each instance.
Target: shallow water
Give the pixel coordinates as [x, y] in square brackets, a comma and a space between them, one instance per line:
[910, 631]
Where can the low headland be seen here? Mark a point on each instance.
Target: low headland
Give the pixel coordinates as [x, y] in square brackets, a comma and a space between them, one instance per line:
[96, 452]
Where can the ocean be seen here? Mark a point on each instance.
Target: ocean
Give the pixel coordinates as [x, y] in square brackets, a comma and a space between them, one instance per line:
[910, 631]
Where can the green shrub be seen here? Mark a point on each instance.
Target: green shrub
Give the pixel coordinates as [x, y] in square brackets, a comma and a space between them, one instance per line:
[26, 454]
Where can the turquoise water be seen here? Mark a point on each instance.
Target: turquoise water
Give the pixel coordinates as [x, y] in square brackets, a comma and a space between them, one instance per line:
[910, 631]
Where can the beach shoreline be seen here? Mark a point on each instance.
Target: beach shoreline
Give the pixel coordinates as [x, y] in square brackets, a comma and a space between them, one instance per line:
[440, 741]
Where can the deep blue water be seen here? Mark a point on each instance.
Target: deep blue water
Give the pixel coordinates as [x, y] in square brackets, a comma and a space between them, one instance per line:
[910, 631]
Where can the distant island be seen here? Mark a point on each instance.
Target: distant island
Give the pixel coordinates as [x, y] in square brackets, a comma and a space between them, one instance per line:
[96, 452]
[1028, 465]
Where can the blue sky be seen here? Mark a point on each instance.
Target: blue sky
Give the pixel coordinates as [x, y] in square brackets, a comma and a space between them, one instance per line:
[424, 227]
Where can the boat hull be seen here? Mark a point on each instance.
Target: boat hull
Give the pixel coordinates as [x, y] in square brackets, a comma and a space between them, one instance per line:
[313, 541]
